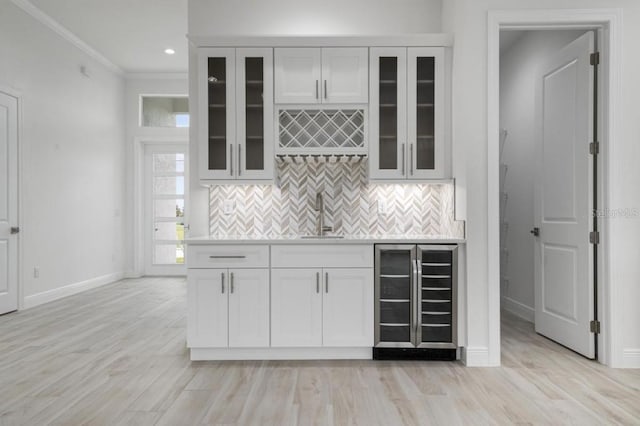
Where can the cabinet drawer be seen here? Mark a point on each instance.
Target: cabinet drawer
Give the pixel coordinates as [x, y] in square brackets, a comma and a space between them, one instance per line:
[322, 256]
[227, 256]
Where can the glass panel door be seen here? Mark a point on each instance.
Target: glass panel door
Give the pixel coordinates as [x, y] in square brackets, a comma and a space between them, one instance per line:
[165, 189]
[425, 114]
[388, 95]
[254, 113]
[436, 297]
[217, 98]
[394, 296]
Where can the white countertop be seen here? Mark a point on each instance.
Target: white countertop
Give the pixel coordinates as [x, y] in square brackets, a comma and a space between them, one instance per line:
[348, 239]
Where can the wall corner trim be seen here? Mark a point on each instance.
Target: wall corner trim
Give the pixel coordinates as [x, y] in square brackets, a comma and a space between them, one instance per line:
[70, 289]
[63, 32]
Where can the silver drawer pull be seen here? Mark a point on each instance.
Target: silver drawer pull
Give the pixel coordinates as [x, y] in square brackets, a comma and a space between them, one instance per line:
[228, 257]
[231, 282]
[222, 280]
[326, 283]
[317, 282]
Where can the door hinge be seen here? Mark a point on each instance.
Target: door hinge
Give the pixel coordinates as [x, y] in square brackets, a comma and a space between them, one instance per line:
[594, 237]
[594, 148]
[594, 326]
[594, 58]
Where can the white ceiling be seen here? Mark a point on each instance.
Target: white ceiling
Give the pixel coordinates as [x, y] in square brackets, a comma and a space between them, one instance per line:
[130, 33]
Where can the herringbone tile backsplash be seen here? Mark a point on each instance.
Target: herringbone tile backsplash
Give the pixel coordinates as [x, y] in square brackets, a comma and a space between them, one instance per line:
[351, 204]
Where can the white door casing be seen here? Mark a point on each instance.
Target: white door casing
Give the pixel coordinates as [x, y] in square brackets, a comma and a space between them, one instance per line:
[8, 203]
[564, 270]
[248, 308]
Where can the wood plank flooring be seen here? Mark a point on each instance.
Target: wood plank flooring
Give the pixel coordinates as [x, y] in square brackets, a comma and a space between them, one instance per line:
[116, 355]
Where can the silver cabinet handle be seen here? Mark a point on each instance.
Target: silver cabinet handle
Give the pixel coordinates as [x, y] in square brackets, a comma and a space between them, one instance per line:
[222, 280]
[317, 282]
[16, 230]
[231, 160]
[326, 282]
[239, 159]
[316, 89]
[325, 89]
[411, 159]
[403, 160]
[228, 257]
[231, 281]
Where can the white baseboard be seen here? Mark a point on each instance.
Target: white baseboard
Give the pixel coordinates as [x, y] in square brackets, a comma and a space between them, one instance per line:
[518, 309]
[132, 274]
[68, 290]
[476, 357]
[631, 358]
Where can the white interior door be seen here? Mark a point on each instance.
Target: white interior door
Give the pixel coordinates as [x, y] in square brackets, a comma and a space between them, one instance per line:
[563, 203]
[166, 186]
[8, 203]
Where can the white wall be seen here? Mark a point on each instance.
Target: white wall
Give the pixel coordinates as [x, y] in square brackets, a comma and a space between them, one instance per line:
[72, 148]
[467, 19]
[136, 86]
[519, 65]
[300, 17]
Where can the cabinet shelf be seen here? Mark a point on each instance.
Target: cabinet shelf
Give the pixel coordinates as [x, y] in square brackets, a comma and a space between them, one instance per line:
[393, 276]
[388, 137]
[437, 288]
[425, 105]
[388, 81]
[425, 136]
[388, 105]
[217, 105]
[255, 106]
[396, 300]
[254, 82]
[425, 81]
[218, 137]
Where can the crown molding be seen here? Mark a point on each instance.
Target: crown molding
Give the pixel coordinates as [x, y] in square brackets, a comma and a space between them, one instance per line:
[56, 27]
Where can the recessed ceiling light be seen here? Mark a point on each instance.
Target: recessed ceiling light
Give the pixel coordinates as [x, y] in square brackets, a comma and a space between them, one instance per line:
[169, 51]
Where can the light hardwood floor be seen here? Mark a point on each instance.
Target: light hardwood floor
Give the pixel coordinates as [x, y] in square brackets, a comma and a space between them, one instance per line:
[116, 355]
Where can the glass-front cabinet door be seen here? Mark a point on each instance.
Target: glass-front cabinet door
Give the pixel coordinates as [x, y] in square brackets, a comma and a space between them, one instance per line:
[407, 106]
[236, 114]
[254, 99]
[425, 113]
[395, 298]
[387, 112]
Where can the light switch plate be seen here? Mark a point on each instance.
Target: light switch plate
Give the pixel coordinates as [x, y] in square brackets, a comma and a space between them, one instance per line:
[382, 207]
[228, 206]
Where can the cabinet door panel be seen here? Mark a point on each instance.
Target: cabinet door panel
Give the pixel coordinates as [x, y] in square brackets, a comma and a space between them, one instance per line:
[296, 307]
[254, 98]
[345, 75]
[347, 308]
[248, 308]
[387, 110]
[207, 308]
[297, 75]
[216, 84]
[425, 113]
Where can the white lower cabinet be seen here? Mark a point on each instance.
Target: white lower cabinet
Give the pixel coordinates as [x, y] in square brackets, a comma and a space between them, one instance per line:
[228, 308]
[329, 307]
[296, 307]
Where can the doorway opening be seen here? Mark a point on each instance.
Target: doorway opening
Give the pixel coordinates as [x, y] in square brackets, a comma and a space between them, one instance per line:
[548, 182]
[165, 197]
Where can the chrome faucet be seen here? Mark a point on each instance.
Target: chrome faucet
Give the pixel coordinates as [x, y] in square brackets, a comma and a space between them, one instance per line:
[321, 229]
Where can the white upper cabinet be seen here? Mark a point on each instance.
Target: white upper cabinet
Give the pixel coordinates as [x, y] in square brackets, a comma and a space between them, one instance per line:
[407, 107]
[321, 75]
[235, 114]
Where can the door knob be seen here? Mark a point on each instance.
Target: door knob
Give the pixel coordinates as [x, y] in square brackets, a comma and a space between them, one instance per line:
[14, 230]
[535, 231]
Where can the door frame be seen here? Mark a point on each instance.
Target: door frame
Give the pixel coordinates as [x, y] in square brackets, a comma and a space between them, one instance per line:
[608, 24]
[139, 148]
[13, 92]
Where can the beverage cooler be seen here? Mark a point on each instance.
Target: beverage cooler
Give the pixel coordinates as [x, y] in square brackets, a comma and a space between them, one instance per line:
[415, 301]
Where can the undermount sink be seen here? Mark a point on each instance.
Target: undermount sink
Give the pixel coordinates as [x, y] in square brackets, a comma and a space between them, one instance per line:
[322, 237]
